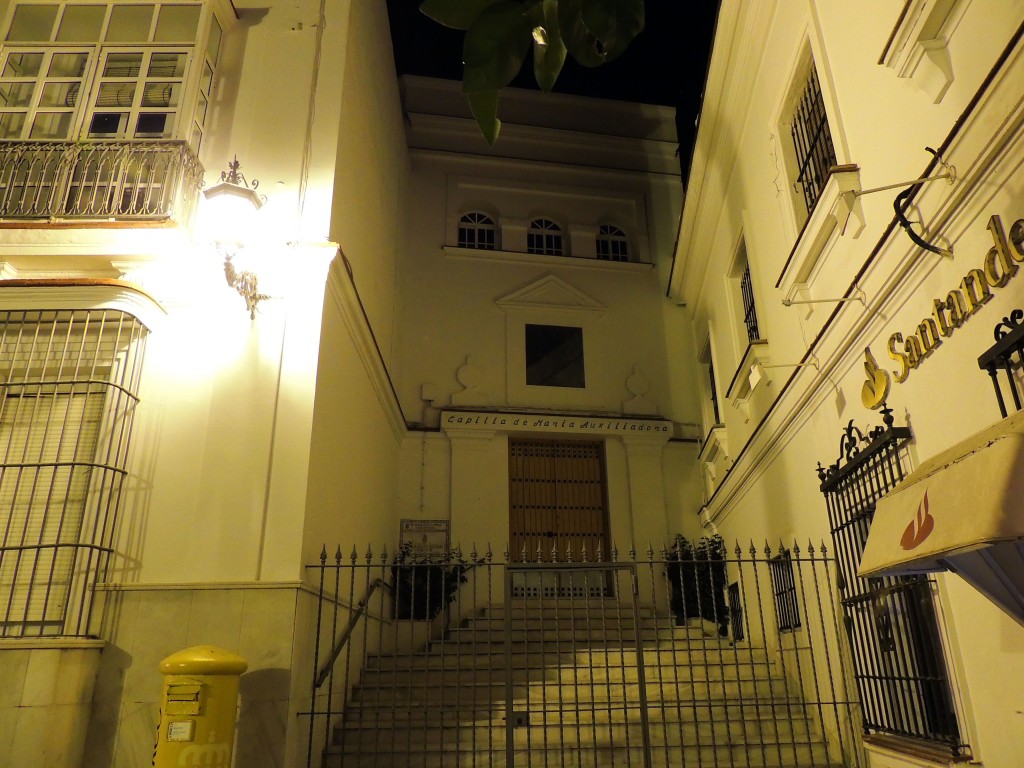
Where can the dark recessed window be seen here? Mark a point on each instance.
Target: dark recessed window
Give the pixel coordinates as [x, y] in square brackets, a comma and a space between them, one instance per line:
[477, 230]
[554, 356]
[544, 237]
[612, 244]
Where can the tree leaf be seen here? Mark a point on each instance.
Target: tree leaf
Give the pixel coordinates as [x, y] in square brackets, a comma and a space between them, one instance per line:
[495, 47]
[548, 48]
[458, 14]
[578, 40]
[614, 22]
[484, 105]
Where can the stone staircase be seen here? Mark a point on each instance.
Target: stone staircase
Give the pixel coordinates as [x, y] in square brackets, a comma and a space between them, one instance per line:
[577, 699]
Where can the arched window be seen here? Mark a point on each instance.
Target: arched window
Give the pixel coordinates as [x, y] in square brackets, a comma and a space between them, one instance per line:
[612, 244]
[477, 230]
[545, 237]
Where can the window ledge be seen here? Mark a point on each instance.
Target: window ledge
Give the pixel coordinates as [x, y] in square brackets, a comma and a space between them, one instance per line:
[838, 210]
[913, 753]
[516, 257]
[750, 373]
[917, 47]
[715, 446]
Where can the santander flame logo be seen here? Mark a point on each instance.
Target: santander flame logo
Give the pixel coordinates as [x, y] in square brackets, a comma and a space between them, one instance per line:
[920, 528]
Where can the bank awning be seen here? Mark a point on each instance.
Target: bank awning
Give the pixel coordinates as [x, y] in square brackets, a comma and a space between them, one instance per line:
[962, 511]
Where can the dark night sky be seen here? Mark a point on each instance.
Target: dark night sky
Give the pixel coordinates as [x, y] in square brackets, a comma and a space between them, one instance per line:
[666, 64]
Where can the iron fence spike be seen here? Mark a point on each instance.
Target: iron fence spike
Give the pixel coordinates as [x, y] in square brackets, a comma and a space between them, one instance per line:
[355, 555]
[338, 556]
[369, 554]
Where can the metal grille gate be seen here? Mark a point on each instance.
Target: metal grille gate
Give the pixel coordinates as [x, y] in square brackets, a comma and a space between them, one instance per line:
[897, 653]
[648, 675]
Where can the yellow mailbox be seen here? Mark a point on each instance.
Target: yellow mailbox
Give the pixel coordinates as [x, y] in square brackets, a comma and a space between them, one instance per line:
[199, 707]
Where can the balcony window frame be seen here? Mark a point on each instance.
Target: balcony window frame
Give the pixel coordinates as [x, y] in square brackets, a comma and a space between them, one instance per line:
[187, 116]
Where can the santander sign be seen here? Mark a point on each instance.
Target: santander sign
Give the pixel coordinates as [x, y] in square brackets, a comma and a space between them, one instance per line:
[920, 527]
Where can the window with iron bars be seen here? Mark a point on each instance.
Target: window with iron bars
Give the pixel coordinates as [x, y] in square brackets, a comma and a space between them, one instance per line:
[713, 390]
[814, 151]
[787, 607]
[749, 310]
[67, 401]
[891, 622]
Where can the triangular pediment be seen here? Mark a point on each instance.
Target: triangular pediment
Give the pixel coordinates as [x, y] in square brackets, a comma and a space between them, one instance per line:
[549, 292]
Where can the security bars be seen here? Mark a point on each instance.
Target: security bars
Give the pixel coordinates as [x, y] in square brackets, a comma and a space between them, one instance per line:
[812, 142]
[100, 180]
[749, 310]
[893, 630]
[68, 383]
[1006, 356]
[648, 675]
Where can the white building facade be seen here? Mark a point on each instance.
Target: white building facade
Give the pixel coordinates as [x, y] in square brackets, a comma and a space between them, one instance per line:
[816, 116]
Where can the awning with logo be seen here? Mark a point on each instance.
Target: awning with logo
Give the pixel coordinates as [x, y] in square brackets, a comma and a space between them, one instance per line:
[962, 511]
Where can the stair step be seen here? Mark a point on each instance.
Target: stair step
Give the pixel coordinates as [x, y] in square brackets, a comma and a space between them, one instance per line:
[721, 756]
[493, 657]
[580, 634]
[484, 711]
[565, 673]
[354, 737]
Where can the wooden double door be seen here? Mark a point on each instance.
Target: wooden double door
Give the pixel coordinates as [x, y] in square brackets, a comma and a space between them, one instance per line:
[557, 501]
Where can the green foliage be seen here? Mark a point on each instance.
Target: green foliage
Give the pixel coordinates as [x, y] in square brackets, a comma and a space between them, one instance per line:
[697, 576]
[423, 585]
[500, 33]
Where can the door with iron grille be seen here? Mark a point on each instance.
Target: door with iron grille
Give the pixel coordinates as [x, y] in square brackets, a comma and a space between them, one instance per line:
[557, 504]
[897, 652]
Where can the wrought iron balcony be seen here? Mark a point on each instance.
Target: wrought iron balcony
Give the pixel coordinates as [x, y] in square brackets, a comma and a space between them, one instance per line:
[134, 180]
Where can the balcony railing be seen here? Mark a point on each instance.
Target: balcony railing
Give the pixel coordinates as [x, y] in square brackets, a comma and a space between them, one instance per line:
[98, 180]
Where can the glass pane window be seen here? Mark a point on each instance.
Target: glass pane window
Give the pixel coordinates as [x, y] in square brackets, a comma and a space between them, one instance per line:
[612, 244]
[60, 95]
[23, 65]
[129, 23]
[32, 22]
[544, 237]
[35, 105]
[213, 43]
[177, 24]
[477, 230]
[16, 94]
[135, 84]
[51, 125]
[554, 356]
[81, 23]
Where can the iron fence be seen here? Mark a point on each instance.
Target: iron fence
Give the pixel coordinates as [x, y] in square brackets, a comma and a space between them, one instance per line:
[624, 661]
[134, 180]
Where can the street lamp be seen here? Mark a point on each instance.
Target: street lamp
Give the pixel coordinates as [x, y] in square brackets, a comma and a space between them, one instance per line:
[234, 203]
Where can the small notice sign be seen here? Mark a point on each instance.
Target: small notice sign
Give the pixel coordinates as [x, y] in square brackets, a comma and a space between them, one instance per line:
[425, 537]
[181, 730]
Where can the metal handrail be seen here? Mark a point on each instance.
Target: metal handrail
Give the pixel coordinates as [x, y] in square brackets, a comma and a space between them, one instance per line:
[325, 671]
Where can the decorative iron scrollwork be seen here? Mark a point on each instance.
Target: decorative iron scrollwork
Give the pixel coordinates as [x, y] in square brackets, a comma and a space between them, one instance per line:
[853, 441]
[1008, 324]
